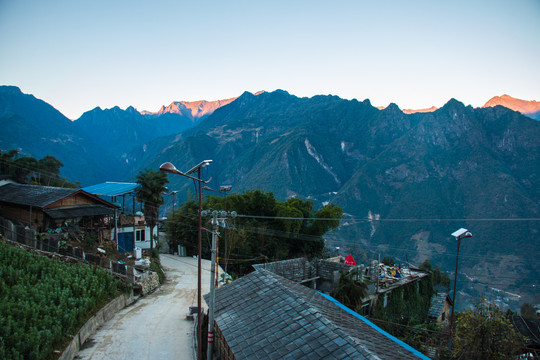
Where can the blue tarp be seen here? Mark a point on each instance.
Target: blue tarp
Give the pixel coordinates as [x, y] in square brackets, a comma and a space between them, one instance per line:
[111, 188]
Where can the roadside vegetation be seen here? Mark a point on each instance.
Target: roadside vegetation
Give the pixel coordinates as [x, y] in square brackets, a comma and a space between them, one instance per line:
[44, 301]
[266, 229]
[28, 170]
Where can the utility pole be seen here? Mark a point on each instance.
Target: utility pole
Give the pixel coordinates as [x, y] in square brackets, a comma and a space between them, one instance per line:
[212, 286]
[213, 279]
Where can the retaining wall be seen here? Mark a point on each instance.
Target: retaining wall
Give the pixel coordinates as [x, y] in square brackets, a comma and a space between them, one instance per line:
[105, 314]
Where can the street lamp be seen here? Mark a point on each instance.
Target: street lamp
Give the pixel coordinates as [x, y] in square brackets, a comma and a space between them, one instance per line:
[173, 193]
[170, 168]
[458, 234]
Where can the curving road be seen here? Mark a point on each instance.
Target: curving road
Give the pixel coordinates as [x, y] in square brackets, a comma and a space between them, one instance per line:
[155, 327]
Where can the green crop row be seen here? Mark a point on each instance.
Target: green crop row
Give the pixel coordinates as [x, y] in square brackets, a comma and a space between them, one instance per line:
[43, 301]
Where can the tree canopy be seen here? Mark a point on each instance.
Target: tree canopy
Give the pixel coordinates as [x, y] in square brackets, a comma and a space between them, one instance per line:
[351, 290]
[485, 333]
[28, 170]
[150, 194]
[265, 230]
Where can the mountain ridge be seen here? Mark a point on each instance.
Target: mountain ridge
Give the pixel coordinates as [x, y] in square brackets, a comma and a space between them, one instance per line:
[385, 163]
[191, 109]
[421, 174]
[530, 108]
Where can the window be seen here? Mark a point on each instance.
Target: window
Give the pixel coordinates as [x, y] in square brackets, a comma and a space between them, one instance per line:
[140, 235]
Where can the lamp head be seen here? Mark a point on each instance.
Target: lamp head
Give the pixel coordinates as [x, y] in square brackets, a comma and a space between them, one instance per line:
[461, 233]
[170, 168]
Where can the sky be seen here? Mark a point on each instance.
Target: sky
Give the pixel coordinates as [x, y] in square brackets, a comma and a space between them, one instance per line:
[77, 55]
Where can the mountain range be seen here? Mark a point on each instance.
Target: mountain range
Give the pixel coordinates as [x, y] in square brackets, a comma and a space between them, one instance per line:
[405, 181]
[530, 108]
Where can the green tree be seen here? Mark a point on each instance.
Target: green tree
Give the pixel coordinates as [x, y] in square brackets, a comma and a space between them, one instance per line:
[268, 229]
[182, 225]
[48, 170]
[388, 261]
[438, 277]
[485, 333]
[350, 291]
[7, 159]
[28, 170]
[24, 169]
[150, 194]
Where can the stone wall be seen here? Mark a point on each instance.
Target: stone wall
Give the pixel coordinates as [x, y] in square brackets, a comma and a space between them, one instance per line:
[294, 269]
[102, 316]
[326, 269]
[149, 284]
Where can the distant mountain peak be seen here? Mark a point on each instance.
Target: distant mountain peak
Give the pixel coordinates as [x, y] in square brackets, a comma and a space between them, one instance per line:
[10, 89]
[426, 110]
[406, 111]
[392, 107]
[526, 107]
[192, 109]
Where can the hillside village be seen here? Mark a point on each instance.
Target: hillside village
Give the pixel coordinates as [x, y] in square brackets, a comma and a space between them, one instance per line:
[290, 304]
[277, 254]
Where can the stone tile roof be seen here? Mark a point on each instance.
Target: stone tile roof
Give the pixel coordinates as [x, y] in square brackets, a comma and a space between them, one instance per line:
[33, 195]
[265, 316]
[437, 305]
[293, 269]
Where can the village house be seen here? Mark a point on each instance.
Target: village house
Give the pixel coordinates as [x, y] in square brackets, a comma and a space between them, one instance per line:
[51, 209]
[323, 275]
[266, 316]
[440, 308]
[129, 227]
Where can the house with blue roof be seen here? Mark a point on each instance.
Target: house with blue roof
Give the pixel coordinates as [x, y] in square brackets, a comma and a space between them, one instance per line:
[129, 228]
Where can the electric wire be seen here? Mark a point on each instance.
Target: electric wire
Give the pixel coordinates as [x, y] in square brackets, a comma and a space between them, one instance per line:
[348, 221]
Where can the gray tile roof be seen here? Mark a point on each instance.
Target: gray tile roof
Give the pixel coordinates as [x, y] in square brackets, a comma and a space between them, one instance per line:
[43, 196]
[263, 315]
[437, 305]
[33, 195]
[293, 269]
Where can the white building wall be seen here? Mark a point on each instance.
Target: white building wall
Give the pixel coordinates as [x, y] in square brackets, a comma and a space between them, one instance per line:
[143, 244]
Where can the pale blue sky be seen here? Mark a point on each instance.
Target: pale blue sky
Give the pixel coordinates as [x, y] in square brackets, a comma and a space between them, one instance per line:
[77, 55]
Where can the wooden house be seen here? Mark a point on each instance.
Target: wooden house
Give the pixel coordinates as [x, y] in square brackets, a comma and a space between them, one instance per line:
[49, 208]
[441, 306]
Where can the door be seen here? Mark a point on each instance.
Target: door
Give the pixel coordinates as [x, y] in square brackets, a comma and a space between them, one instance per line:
[125, 242]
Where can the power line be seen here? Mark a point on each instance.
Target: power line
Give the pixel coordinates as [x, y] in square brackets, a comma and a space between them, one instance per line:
[364, 220]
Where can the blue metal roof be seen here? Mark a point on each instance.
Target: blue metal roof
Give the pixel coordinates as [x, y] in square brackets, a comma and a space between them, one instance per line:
[111, 188]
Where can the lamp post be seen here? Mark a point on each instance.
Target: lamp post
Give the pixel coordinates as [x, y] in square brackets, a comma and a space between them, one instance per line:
[224, 189]
[458, 234]
[170, 168]
[173, 193]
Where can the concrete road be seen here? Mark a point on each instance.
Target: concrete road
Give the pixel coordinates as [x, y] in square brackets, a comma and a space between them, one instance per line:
[155, 327]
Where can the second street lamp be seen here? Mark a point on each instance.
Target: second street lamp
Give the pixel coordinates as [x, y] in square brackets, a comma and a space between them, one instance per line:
[458, 234]
[170, 168]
